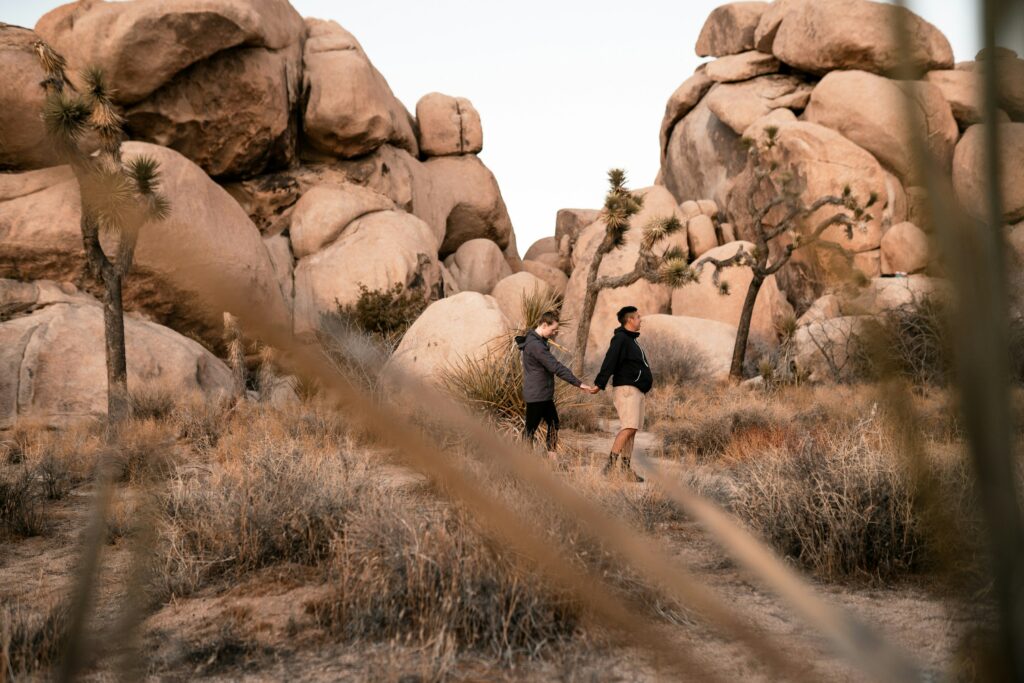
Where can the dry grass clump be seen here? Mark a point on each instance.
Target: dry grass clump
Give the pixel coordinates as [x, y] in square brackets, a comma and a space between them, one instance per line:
[22, 505]
[264, 497]
[30, 640]
[427, 578]
[675, 362]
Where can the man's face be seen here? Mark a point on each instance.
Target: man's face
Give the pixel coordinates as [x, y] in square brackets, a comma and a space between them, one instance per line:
[632, 322]
[548, 331]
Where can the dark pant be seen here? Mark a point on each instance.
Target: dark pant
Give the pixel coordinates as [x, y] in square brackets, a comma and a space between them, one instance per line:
[542, 410]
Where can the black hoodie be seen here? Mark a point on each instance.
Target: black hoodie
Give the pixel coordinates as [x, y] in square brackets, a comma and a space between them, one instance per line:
[540, 367]
[625, 363]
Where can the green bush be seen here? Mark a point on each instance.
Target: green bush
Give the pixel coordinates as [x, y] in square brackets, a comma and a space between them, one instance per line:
[385, 313]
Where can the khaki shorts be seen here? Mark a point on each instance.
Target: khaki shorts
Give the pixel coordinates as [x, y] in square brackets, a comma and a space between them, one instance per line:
[629, 404]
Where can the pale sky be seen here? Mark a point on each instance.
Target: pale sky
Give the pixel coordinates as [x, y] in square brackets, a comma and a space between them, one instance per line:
[565, 90]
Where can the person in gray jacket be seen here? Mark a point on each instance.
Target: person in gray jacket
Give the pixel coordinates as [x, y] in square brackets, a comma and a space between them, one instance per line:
[539, 369]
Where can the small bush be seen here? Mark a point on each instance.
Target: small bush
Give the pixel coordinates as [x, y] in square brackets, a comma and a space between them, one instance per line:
[152, 402]
[404, 577]
[22, 511]
[385, 313]
[30, 641]
[676, 363]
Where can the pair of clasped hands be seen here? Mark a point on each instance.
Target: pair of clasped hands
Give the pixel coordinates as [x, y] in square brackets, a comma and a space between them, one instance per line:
[589, 389]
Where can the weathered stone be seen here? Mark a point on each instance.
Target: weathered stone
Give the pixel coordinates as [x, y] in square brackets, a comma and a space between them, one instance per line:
[571, 222]
[464, 202]
[545, 245]
[738, 105]
[703, 299]
[969, 177]
[450, 331]
[962, 89]
[832, 349]
[702, 155]
[819, 36]
[824, 308]
[709, 342]
[379, 250]
[729, 29]
[323, 212]
[205, 258]
[448, 125]
[889, 293]
[478, 265]
[700, 232]
[884, 117]
[868, 263]
[905, 249]
[350, 109]
[742, 67]
[708, 207]
[23, 141]
[553, 277]
[140, 46]
[512, 290]
[52, 358]
[690, 208]
[233, 113]
[682, 101]
[827, 163]
[280, 252]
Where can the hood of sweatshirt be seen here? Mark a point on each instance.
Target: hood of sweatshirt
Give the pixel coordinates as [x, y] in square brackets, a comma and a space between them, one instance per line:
[521, 339]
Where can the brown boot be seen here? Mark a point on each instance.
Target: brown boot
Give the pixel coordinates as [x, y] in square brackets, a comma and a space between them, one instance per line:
[612, 457]
[628, 472]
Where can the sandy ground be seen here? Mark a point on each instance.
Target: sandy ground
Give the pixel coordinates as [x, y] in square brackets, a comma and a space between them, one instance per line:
[259, 630]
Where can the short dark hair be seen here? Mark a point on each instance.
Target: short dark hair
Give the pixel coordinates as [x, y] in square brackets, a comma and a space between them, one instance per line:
[624, 313]
[547, 318]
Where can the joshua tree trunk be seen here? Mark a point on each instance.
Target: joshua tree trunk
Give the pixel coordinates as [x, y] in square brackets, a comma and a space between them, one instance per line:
[739, 350]
[107, 273]
[236, 354]
[589, 304]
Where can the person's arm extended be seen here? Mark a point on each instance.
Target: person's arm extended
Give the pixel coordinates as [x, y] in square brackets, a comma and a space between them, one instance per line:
[548, 360]
[611, 359]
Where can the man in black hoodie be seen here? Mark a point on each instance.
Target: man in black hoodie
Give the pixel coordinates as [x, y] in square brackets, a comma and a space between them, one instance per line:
[539, 370]
[626, 365]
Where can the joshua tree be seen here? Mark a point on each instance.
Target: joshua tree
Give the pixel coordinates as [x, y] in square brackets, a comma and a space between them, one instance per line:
[117, 198]
[783, 214]
[620, 205]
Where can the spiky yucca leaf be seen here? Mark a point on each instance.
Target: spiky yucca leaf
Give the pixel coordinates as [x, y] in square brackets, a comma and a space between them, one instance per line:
[110, 196]
[617, 178]
[674, 252]
[676, 272]
[96, 88]
[53, 64]
[144, 171]
[658, 229]
[538, 302]
[66, 117]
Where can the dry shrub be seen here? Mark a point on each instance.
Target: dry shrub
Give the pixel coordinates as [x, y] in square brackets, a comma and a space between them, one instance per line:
[675, 362]
[268, 497]
[385, 313]
[199, 420]
[22, 505]
[30, 640]
[152, 401]
[421, 578]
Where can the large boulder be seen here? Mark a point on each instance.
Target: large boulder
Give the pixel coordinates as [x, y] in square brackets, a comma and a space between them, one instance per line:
[701, 156]
[142, 45]
[679, 104]
[350, 109]
[281, 258]
[378, 251]
[452, 330]
[709, 342]
[885, 116]
[571, 222]
[53, 362]
[833, 349]
[646, 296]
[234, 113]
[322, 213]
[477, 266]
[23, 141]
[448, 125]
[729, 29]
[819, 36]
[905, 249]
[888, 293]
[703, 299]
[827, 162]
[462, 201]
[738, 105]
[552, 276]
[969, 177]
[545, 245]
[962, 89]
[207, 252]
[512, 290]
[742, 67]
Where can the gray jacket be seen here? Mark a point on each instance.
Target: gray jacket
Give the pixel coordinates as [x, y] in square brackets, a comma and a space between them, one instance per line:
[540, 368]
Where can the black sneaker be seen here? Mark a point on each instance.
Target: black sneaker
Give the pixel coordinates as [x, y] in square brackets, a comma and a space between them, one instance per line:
[628, 472]
[607, 469]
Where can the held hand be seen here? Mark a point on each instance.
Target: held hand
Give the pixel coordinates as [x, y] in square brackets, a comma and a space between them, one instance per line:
[589, 389]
